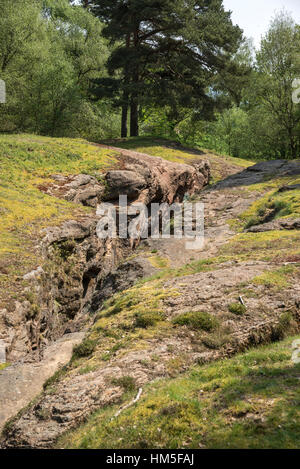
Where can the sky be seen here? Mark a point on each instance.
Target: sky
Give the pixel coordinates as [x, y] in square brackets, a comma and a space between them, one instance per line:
[254, 16]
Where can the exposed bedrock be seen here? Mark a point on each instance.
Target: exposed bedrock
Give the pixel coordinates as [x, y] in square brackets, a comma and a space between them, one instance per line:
[139, 176]
[152, 179]
[78, 270]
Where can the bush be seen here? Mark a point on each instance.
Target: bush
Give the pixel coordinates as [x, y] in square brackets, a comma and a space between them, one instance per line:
[196, 320]
[85, 349]
[237, 308]
[148, 319]
[126, 382]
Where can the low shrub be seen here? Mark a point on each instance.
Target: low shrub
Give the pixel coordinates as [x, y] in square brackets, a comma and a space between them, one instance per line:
[196, 320]
[85, 349]
[125, 382]
[237, 308]
[148, 318]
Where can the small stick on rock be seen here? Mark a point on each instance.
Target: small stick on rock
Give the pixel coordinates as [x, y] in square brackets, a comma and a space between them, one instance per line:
[129, 404]
[241, 301]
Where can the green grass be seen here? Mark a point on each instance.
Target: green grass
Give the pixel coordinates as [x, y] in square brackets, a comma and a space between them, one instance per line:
[249, 401]
[266, 246]
[27, 162]
[272, 206]
[3, 365]
[279, 278]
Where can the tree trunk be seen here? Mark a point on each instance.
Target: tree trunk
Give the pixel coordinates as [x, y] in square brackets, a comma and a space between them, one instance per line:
[134, 117]
[125, 105]
[134, 103]
[124, 117]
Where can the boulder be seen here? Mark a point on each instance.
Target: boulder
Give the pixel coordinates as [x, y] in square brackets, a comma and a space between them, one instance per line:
[149, 179]
[129, 183]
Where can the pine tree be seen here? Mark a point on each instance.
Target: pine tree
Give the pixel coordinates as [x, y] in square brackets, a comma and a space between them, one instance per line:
[166, 51]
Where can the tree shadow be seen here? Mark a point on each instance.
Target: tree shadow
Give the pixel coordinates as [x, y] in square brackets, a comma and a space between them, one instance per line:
[264, 171]
[273, 421]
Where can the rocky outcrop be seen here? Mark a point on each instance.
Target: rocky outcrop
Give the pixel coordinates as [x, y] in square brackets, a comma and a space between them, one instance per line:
[141, 177]
[149, 179]
[121, 278]
[76, 396]
[80, 188]
[280, 224]
[261, 172]
[21, 382]
[77, 267]
[58, 292]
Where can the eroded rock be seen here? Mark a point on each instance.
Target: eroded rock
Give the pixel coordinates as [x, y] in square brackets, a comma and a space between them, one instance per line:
[80, 188]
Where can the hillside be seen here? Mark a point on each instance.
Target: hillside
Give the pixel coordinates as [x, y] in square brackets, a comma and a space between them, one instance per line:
[153, 316]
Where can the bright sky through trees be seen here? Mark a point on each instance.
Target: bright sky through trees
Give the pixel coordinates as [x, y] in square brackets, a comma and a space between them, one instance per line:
[254, 16]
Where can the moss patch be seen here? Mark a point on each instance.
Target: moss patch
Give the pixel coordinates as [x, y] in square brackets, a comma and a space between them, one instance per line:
[3, 365]
[272, 206]
[237, 308]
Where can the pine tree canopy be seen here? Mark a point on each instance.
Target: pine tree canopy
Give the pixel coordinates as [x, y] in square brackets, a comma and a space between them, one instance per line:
[165, 51]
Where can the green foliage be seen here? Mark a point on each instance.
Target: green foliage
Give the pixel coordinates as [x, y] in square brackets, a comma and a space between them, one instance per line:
[237, 308]
[49, 52]
[255, 114]
[126, 382]
[148, 318]
[196, 320]
[3, 365]
[166, 53]
[85, 349]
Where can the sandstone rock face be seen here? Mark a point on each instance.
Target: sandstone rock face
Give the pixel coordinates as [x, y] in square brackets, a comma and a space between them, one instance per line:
[149, 179]
[121, 278]
[142, 177]
[124, 182]
[21, 382]
[58, 292]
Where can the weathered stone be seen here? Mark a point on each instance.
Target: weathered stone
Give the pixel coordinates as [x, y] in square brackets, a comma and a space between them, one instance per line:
[280, 224]
[261, 172]
[80, 188]
[152, 179]
[124, 183]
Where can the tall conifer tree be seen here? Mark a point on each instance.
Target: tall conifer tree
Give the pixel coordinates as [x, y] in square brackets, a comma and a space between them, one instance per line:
[166, 51]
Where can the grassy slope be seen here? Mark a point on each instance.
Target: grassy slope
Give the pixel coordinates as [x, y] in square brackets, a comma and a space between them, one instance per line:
[25, 162]
[34, 159]
[249, 401]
